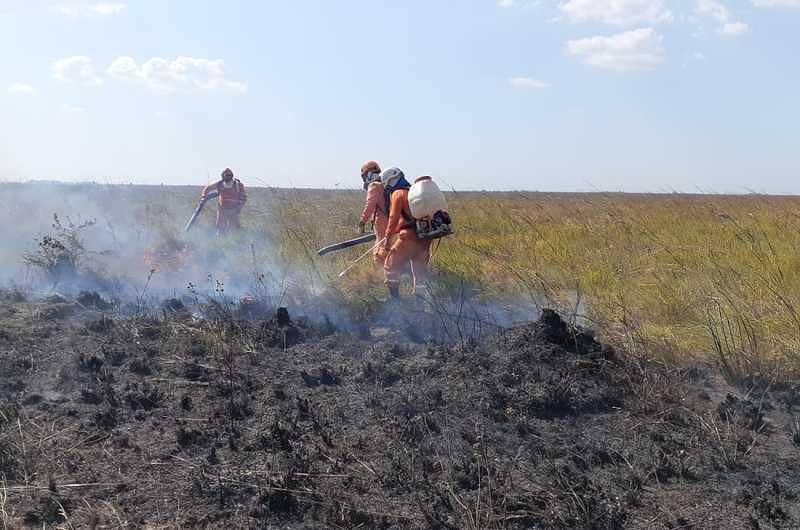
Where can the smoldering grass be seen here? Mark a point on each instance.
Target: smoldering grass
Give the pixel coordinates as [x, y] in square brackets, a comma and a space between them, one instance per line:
[670, 275]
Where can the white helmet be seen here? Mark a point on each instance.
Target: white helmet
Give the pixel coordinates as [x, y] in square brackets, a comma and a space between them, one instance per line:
[391, 175]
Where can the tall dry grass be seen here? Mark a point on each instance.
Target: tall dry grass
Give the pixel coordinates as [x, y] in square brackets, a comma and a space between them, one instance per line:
[673, 275]
[676, 275]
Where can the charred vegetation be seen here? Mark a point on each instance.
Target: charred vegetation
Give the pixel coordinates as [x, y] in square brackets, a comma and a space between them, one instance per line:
[281, 421]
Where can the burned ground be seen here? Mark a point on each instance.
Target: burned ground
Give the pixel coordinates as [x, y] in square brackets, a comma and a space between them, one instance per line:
[127, 422]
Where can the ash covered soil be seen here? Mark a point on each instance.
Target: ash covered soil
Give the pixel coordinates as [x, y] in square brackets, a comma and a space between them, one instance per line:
[178, 422]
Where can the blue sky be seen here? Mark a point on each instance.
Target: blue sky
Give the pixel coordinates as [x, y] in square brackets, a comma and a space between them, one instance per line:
[567, 95]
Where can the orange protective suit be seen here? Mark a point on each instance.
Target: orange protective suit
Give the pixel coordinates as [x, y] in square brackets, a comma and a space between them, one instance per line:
[232, 197]
[375, 212]
[408, 249]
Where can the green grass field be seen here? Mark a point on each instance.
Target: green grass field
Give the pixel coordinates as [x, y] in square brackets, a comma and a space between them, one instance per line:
[672, 275]
[676, 275]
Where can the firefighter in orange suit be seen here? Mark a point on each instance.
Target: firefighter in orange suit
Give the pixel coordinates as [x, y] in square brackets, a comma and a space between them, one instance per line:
[374, 210]
[408, 248]
[231, 198]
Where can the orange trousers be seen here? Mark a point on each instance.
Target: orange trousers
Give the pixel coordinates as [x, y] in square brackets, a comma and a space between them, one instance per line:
[228, 219]
[380, 228]
[407, 250]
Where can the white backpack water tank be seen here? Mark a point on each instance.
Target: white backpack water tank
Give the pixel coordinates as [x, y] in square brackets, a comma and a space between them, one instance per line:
[425, 198]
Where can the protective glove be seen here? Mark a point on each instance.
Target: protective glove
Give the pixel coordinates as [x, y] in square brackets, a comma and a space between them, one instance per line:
[382, 251]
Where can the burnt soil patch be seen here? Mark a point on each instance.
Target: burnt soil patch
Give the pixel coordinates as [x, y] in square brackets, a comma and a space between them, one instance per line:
[214, 424]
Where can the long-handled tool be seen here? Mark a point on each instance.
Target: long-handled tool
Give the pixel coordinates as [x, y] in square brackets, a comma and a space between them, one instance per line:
[356, 241]
[346, 244]
[199, 208]
[362, 256]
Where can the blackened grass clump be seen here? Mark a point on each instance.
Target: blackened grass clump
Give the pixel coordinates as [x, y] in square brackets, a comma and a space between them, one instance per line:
[271, 422]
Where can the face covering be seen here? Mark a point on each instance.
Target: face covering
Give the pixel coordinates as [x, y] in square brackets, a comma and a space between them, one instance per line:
[400, 183]
[369, 178]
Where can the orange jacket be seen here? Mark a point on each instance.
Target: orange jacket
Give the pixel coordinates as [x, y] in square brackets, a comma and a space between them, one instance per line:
[229, 197]
[399, 214]
[375, 203]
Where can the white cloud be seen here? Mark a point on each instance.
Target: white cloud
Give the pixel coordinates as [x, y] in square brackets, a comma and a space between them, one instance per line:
[165, 76]
[80, 9]
[72, 109]
[712, 8]
[527, 82]
[718, 11]
[617, 12]
[734, 29]
[639, 49]
[776, 3]
[77, 69]
[506, 3]
[108, 9]
[21, 88]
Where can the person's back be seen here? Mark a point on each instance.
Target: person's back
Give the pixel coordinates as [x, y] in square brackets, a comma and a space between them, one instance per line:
[408, 248]
[374, 210]
[399, 217]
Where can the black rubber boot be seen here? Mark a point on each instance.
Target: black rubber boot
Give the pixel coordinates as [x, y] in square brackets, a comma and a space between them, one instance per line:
[394, 291]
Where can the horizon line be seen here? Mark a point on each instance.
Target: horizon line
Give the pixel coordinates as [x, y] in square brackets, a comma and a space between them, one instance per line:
[4, 181]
